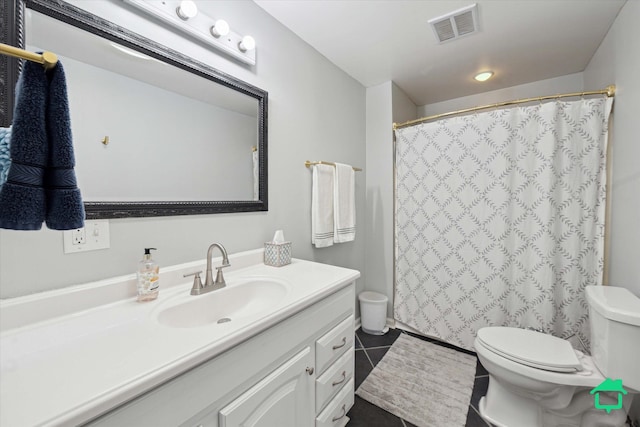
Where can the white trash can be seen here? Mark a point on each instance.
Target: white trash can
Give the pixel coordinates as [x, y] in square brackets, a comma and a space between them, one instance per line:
[373, 312]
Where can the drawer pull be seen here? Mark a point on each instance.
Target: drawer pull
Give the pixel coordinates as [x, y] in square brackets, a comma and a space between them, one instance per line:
[344, 377]
[309, 371]
[344, 342]
[344, 412]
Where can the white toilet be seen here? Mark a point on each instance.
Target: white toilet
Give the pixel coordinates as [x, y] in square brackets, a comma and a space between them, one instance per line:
[537, 380]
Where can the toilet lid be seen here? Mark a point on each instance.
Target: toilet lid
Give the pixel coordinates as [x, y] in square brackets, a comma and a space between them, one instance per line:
[531, 348]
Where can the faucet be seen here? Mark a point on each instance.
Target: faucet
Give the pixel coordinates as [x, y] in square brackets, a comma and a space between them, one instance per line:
[209, 284]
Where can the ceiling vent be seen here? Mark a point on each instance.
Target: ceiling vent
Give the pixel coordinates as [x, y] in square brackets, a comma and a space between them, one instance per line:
[454, 25]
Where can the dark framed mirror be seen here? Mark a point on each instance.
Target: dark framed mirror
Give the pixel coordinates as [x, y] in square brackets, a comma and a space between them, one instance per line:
[204, 92]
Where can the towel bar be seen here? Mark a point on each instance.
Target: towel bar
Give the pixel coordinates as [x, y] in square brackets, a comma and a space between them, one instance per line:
[320, 162]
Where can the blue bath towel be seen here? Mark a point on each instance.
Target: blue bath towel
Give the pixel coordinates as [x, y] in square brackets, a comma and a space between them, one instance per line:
[41, 182]
[5, 157]
[65, 210]
[22, 197]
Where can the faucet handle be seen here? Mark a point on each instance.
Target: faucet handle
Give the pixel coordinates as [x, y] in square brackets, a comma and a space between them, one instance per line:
[197, 282]
[219, 277]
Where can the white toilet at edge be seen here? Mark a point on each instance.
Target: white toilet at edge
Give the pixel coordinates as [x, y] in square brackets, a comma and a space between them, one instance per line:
[537, 380]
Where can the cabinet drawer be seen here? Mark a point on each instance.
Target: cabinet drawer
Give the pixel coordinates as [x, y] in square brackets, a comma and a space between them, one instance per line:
[334, 343]
[335, 414]
[332, 381]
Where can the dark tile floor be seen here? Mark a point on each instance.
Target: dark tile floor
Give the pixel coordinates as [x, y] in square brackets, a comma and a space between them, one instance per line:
[369, 351]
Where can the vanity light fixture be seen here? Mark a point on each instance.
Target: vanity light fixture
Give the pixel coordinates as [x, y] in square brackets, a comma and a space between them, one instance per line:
[184, 15]
[187, 9]
[483, 76]
[220, 28]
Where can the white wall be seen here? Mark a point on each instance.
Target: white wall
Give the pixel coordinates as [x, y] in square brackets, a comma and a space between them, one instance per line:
[379, 205]
[564, 84]
[316, 112]
[386, 104]
[403, 108]
[617, 61]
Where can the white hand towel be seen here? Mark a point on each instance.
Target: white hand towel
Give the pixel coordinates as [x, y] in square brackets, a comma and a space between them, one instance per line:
[344, 202]
[322, 188]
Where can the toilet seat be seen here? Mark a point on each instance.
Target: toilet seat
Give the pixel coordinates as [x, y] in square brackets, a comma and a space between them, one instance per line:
[531, 348]
[493, 362]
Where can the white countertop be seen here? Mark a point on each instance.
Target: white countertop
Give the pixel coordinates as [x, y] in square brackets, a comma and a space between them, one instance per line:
[67, 368]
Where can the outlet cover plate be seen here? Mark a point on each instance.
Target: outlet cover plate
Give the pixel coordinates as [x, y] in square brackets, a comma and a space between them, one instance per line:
[95, 233]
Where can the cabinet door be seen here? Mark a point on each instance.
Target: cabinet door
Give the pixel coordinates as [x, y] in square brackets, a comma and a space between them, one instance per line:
[284, 398]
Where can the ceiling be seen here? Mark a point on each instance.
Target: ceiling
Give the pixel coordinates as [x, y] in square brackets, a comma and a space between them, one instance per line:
[520, 40]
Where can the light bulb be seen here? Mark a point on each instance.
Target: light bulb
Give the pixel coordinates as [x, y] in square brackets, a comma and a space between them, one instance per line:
[220, 28]
[484, 76]
[247, 43]
[187, 9]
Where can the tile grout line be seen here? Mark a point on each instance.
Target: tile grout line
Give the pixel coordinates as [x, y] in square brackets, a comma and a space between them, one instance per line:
[359, 341]
[478, 412]
[365, 352]
[377, 347]
[368, 358]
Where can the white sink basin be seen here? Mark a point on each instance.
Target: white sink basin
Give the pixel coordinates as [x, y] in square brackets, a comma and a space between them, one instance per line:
[239, 299]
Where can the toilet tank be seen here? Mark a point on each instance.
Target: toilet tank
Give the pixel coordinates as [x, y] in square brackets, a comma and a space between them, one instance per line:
[614, 317]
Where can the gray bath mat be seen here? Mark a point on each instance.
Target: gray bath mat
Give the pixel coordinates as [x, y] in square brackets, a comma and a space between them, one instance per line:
[424, 383]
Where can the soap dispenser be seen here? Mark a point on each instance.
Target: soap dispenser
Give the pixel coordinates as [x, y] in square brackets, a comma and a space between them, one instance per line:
[148, 277]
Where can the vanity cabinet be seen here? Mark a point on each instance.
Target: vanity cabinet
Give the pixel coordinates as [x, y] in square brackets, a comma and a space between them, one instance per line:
[297, 373]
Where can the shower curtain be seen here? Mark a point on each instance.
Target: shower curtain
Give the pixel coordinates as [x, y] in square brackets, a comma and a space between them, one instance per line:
[500, 220]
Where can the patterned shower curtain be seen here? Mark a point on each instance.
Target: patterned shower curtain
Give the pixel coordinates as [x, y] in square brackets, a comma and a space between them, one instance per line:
[500, 220]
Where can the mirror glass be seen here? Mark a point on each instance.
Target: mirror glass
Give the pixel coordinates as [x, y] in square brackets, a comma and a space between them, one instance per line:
[155, 133]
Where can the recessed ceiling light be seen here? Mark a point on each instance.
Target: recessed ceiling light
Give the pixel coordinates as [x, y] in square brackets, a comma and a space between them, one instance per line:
[483, 76]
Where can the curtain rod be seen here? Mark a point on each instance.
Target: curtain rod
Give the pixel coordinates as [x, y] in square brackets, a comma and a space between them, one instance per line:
[320, 162]
[47, 59]
[610, 91]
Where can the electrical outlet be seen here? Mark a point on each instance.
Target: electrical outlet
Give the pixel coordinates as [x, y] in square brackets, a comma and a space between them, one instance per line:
[79, 236]
[94, 236]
